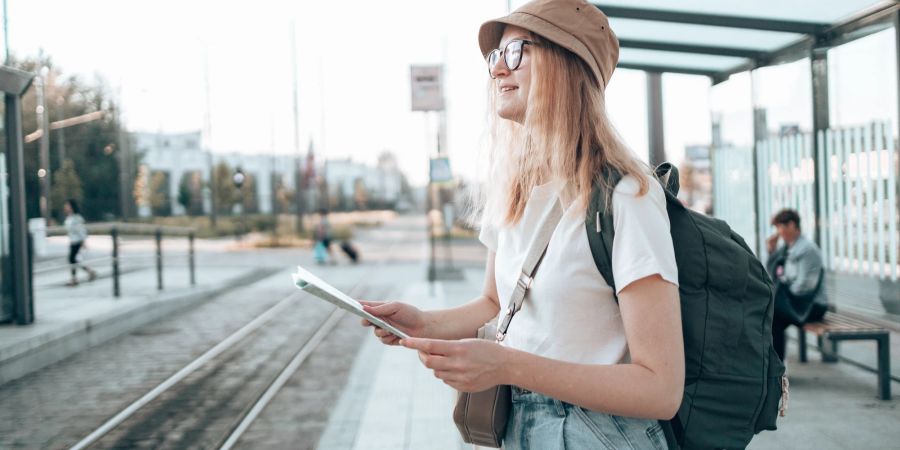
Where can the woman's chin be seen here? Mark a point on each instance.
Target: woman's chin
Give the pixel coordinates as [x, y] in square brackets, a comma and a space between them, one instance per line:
[510, 114]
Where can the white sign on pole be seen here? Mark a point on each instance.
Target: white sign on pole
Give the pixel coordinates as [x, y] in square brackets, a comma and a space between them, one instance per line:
[427, 88]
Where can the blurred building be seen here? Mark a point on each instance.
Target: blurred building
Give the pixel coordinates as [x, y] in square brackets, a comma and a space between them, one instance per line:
[180, 157]
[184, 164]
[353, 185]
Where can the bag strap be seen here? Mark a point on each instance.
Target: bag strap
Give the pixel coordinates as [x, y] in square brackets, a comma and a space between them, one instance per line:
[532, 260]
[599, 220]
[599, 225]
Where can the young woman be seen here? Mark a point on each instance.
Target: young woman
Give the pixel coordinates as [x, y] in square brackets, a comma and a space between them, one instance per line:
[77, 235]
[588, 370]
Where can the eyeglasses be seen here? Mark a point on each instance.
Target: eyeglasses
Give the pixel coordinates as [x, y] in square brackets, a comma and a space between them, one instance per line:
[512, 55]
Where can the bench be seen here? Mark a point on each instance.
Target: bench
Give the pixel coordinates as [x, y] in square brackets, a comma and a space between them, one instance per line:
[835, 327]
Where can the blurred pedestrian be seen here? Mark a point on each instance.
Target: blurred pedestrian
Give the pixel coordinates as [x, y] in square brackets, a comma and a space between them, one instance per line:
[323, 237]
[799, 274]
[589, 367]
[78, 234]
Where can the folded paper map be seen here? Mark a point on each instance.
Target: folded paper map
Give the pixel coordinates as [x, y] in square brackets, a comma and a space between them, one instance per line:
[308, 282]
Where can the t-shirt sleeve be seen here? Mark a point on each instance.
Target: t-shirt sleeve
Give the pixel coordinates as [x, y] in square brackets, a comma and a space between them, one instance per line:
[488, 236]
[642, 245]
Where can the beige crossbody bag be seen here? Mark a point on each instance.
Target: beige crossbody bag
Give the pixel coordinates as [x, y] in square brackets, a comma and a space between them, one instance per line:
[481, 416]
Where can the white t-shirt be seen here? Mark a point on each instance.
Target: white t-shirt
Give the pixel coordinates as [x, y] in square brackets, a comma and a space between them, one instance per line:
[570, 313]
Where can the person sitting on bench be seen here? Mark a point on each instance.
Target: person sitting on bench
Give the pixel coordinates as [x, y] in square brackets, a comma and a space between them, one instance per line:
[798, 271]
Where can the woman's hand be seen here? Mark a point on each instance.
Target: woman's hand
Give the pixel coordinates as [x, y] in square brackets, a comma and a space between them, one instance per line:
[468, 365]
[407, 318]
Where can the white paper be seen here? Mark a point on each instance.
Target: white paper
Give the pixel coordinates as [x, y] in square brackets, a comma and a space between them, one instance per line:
[307, 282]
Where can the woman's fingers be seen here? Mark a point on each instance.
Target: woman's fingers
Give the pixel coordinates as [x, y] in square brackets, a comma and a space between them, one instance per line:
[386, 336]
[446, 376]
[436, 362]
[432, 346]
[381, 332]
[383, 309]
[371, 302]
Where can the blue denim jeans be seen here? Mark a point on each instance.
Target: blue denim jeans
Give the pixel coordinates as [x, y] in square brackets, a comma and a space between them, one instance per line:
[538, 422]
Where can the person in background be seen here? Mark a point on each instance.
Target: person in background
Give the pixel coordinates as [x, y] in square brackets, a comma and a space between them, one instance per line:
[77, 235]
[323, 235]
[798, 271]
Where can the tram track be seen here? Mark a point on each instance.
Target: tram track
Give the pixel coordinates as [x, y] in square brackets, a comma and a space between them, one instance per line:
[211, 401]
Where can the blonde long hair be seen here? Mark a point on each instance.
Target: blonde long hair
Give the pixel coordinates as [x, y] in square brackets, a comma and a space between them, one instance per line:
[566, 136]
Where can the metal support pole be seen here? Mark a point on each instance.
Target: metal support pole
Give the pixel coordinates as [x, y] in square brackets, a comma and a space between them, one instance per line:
[61, 144]
[191, 257]
[429, 205]
[125, 186]
[114, 234]
[897, 63]
[299, 185]
[760, 132]
[801, 343]
[18, 231]
[443, 201]
[5, 34]
[896, 187]
[299, 193]
[432, 263]
[159, 262]
[884, 367]
[44, 153]
[656, 134]
[819, 67]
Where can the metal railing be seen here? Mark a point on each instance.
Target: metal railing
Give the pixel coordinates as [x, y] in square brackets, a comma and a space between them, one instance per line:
[858, 197]
[117, 230]
[853, 178]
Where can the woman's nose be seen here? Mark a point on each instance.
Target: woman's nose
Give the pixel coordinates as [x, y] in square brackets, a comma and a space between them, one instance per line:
[500, 68]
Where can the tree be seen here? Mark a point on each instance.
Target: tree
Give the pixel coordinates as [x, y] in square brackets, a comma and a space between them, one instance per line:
[248, 194]
[190, 194]
[284, 197]
[225, 192]
[159, 194]
[66, 185]
[141, 192]
[337, 202]
[92, 147]
[184, 194]
[360, 194]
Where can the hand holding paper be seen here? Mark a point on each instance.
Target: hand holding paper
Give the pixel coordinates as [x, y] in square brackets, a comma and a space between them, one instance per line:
[308, 282]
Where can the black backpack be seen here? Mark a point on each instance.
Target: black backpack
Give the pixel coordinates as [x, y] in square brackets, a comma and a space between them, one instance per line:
[733, 377]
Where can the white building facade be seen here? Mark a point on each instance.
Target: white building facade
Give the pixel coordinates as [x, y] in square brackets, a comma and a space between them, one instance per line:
[180, 155]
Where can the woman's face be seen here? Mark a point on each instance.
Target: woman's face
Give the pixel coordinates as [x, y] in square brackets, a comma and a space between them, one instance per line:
[67, 210]
[513, 85]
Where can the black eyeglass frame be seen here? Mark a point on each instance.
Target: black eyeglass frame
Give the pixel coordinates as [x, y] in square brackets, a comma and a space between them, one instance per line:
[505, 53]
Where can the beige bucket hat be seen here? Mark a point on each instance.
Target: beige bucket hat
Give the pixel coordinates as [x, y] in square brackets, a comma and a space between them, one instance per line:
[575, 25]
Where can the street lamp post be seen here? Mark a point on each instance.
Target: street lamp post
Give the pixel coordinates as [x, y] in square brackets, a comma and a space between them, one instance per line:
[44, 155]
[238, 179]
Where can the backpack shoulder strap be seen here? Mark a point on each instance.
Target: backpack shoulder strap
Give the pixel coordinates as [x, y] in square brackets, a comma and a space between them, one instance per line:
[599, 225]
[599, 220]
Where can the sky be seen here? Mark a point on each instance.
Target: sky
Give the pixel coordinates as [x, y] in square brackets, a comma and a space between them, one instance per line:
[352, 60]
